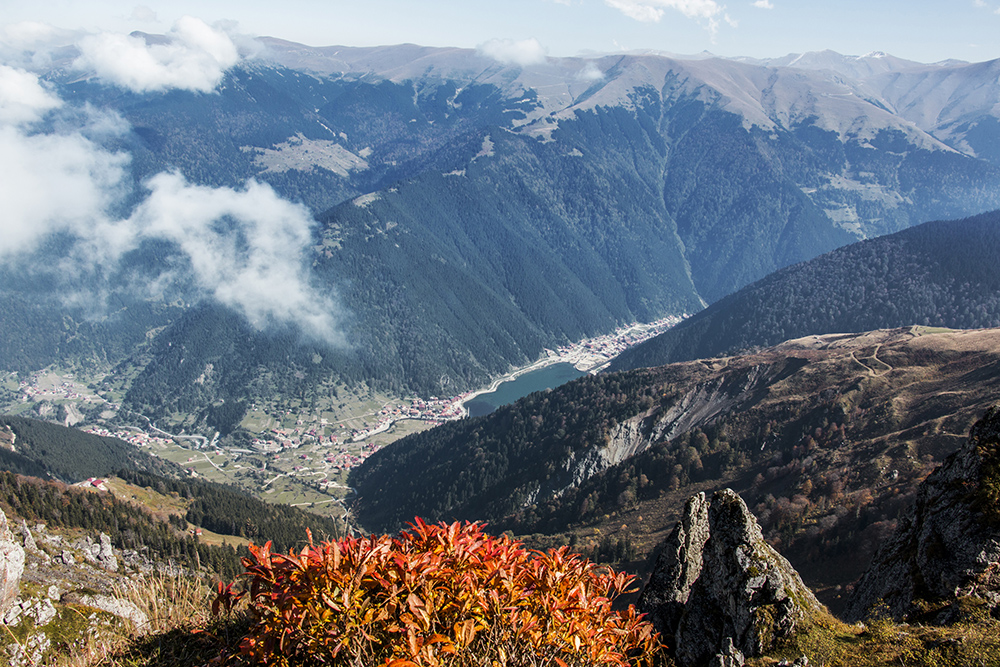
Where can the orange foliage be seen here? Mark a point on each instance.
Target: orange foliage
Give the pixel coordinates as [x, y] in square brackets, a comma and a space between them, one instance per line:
[437, 595]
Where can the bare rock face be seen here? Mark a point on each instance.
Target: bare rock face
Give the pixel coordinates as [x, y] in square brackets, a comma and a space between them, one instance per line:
[718, 590]
[29, 541]
[11, 565]
[100, 553]
[947, 546]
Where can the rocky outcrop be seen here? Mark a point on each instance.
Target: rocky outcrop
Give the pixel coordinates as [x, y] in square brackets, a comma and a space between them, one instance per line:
[121, 608]
[11, 565]
[100, 553]
[699, 406]
[718, 591]
[29, 540]
[947, 546]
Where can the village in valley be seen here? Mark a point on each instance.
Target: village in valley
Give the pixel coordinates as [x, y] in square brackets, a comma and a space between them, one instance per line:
[287, 455]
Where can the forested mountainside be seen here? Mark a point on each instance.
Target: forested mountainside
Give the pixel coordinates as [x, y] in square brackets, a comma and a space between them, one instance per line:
[470, 213]
[826, 436]
[936, 274]
[49, 452]
[41, 449]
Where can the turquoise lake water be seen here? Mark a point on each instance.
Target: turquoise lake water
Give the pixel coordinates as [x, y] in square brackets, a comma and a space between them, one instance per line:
[508, 392]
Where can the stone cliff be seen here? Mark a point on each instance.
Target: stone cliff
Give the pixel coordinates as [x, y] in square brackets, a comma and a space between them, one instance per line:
[719, 588]
[947, 546]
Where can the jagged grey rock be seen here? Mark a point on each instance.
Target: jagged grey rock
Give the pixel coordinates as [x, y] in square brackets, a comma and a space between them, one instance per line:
[801, 661]
[31, 652]
[717, 580]
[120, 608]
[947, 545]
[677, 567]
[106, 554]
[729, 657]
[29, 541]
[42, 611]
[11, 565]
[100, 553]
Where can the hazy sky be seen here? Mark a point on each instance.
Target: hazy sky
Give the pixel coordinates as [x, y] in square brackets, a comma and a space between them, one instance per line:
[924, 30]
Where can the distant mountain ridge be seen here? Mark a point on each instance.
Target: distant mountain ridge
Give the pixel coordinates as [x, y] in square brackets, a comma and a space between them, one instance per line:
[473, 213]
[936, 274]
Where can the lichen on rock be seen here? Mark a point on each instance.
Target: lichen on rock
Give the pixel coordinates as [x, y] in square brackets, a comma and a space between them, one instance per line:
[717, 580]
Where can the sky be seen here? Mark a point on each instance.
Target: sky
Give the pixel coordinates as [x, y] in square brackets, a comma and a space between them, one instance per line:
[922, 30]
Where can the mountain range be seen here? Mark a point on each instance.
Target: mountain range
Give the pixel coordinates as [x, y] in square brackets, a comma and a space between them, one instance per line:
[472, 213]
[935, 274]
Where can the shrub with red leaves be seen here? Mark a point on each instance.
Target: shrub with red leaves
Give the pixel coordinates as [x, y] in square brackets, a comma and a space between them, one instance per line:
[436, 595]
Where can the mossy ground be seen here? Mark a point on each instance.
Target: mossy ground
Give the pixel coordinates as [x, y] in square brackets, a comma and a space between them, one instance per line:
[832, 643]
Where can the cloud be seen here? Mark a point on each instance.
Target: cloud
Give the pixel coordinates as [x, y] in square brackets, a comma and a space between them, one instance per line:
[590, 72]
[763, 4]
[523, 53]
[53, 184]
[247, 248]
[652, 10]
[193, 56]
[708, 12]
[49, 183]
[34, 46]
[23, 99]
[144, 14]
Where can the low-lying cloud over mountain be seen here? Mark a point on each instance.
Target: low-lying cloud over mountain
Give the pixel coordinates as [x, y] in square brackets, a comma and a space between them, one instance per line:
[192, 56]
[245, 247]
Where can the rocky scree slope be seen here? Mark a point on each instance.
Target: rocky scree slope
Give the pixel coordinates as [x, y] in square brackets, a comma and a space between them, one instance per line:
[59, 591]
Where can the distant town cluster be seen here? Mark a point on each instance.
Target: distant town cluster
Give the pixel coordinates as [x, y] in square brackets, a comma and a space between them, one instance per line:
[603, 349]
[133, 436]
[32, 389]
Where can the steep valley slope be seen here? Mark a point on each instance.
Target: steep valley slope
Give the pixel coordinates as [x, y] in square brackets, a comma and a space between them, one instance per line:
[939, 273]
[825, 437]
[471, 213]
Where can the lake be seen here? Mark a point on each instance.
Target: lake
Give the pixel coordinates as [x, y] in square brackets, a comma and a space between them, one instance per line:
[508, 392]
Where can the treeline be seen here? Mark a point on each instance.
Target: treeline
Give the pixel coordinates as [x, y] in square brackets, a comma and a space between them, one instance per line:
[488, 467]
[230, 511]
[128, 526]
[940, 274]
[71, 455]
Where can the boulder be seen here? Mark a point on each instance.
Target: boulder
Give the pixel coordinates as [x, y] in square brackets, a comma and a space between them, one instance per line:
[729, 657]
[11, 565]
[718, 591]
[100, 553]
[947, 545]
